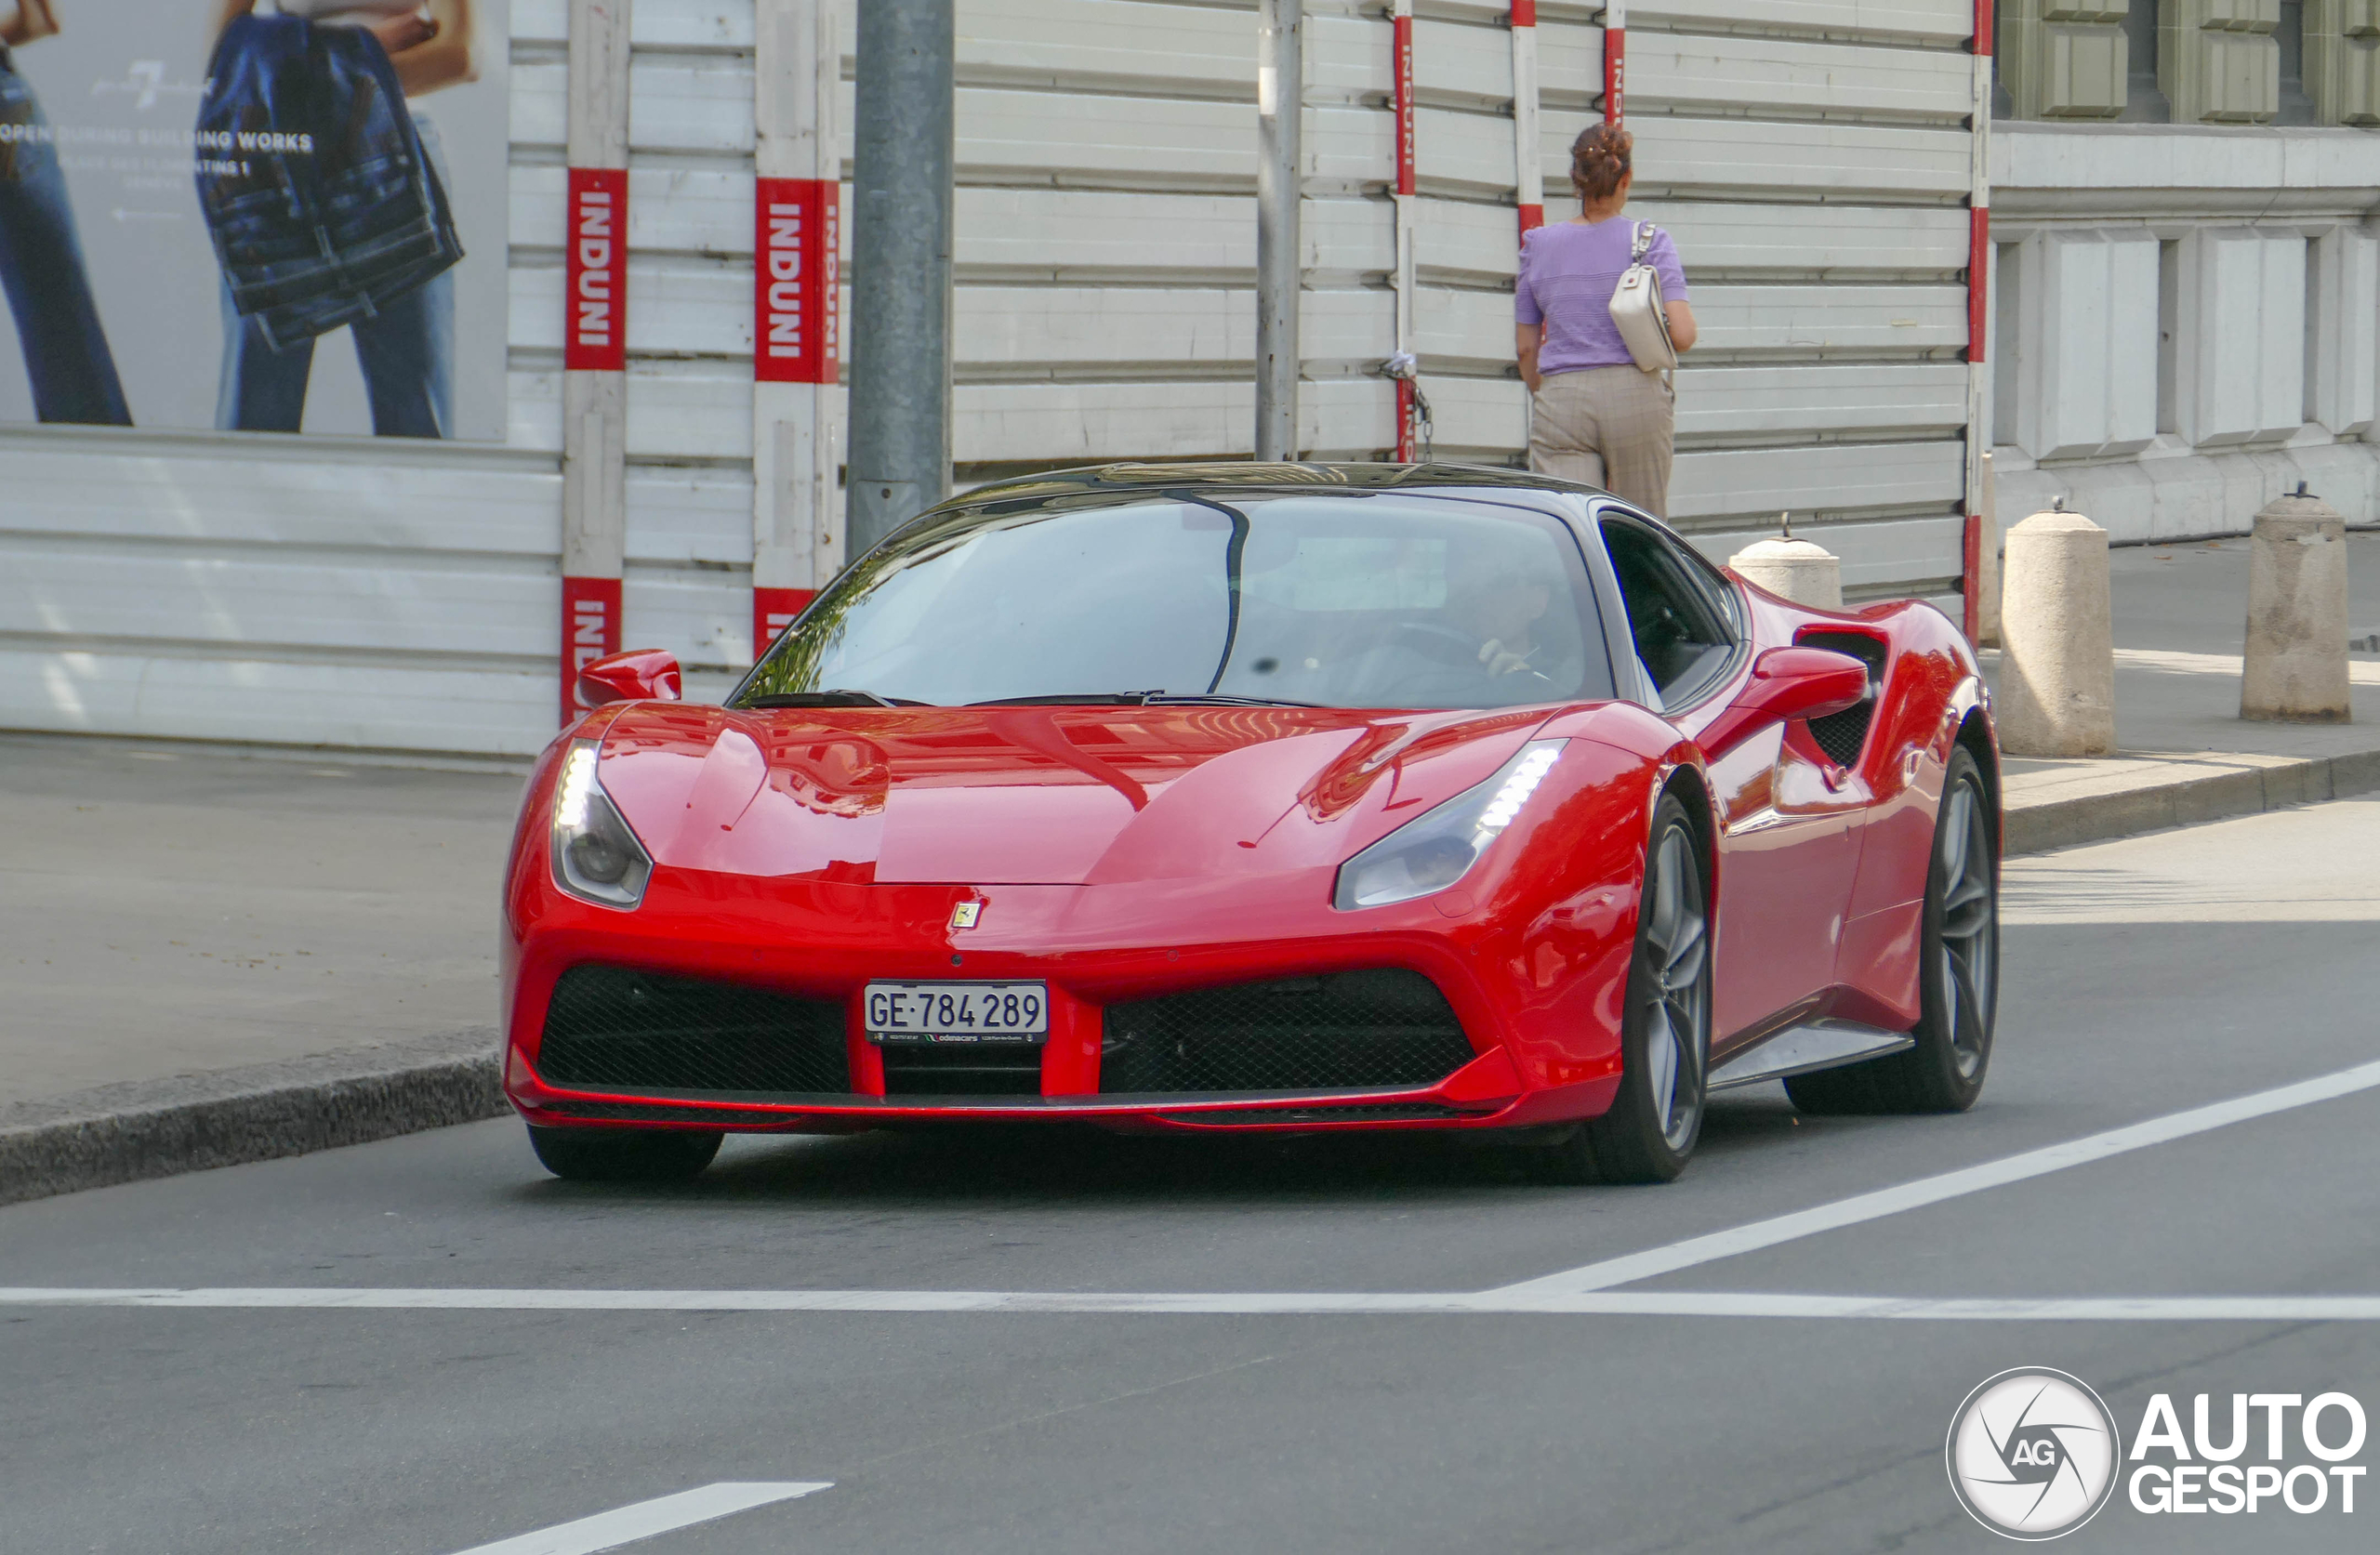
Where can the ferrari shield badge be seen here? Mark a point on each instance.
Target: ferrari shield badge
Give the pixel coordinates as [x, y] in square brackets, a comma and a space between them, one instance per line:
[965, 913]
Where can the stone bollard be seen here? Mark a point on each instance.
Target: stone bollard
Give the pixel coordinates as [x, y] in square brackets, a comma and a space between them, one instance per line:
[1791, 569]
[2058, 668]
[1986, 589]
[2297, 663]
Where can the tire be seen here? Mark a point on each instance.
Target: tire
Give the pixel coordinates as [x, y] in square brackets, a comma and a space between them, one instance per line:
[1665, 1034]
[622, 1155]
[1958, 976]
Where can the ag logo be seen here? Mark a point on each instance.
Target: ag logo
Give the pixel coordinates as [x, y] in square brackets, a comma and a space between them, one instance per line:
[2033, 1454]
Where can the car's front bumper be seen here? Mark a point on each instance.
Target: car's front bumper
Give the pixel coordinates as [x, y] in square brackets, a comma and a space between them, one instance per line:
[1539, 1005]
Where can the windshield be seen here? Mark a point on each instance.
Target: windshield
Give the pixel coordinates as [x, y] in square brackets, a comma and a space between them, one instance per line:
[1351, 601]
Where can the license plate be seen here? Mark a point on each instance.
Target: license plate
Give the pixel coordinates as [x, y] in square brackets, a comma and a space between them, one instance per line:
[958, 1012]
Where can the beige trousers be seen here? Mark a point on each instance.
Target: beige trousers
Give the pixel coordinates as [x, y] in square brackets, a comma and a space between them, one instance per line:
[1609, 426]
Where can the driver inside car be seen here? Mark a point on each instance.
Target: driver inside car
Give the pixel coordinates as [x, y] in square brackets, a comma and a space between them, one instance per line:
[1483, 647]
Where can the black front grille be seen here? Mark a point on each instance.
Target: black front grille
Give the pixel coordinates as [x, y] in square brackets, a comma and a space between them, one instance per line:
[1841, 735]
[962, 1068]
[612, 1029]
[1348, 1031]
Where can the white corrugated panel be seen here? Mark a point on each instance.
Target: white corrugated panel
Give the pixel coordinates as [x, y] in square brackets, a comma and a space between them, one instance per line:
[1805, 153]
[1811, 159]
[318, 592]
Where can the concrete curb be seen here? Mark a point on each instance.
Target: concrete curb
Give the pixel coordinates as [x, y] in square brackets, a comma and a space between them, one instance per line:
[126, 1133]
[2042, 825]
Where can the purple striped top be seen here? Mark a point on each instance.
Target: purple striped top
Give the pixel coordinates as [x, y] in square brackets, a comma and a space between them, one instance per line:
[1567, 273]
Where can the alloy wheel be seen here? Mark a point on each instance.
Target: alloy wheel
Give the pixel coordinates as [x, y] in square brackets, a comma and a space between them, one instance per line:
[1676, 945]
[1970, 940]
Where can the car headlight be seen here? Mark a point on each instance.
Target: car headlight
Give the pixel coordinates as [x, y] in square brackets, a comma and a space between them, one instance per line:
[1437, 847]
[596, 856]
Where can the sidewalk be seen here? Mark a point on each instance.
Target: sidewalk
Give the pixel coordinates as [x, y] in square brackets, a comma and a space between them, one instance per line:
[2186, 753]
[211, 955]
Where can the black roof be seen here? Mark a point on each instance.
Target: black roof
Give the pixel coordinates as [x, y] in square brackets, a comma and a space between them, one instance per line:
[1247, 474]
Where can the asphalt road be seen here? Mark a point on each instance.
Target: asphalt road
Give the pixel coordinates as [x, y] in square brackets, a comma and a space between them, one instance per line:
[2145, 978]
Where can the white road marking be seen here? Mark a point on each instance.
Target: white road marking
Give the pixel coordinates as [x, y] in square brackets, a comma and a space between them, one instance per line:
[626, 1524]
[1617, 1303]
[1699, 1250]
[1586, 1290]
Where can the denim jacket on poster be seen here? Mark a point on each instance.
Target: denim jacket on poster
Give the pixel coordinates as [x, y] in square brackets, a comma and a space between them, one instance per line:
[311, 177]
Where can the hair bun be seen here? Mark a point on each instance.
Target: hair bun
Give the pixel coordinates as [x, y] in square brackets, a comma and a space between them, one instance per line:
[1600, 159]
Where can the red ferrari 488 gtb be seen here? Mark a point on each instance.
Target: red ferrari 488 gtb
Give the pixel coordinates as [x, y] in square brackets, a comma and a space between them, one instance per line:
[1264, 797]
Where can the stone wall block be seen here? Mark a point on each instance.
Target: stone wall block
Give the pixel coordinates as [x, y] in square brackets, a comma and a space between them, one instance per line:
[2241, 350]
[2342, 61]
[2343, 330]
[2218, 61]
[2086, 345]
[2064, 59]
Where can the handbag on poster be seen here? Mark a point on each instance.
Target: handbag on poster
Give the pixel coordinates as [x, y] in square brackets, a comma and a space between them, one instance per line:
[322, 205]
[1636, 308]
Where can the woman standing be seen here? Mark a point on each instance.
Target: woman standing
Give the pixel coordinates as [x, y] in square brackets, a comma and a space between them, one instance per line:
[41, 258]
[407, 349]
[1597, 417]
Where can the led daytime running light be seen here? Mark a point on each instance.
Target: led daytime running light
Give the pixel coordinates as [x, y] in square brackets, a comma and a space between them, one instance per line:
[1506, 806]
[1438, 848]
[577, 786]
[596, 855]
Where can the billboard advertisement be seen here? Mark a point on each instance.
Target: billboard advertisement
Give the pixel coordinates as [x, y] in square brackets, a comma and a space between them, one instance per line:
[265, 216]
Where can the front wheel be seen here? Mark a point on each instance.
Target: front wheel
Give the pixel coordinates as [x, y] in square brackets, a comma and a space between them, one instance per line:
[1665, 1033]
[1959, 974]
[622, 1155]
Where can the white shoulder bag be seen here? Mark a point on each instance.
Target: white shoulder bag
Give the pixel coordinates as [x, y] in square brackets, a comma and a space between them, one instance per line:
[1636, 308]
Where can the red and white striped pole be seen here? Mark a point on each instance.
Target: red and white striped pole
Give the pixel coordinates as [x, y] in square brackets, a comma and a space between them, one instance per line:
[1978, 321]
[1528, 155]
[1615, 60]
[1401, 23]
[594, 398]
[797, 311]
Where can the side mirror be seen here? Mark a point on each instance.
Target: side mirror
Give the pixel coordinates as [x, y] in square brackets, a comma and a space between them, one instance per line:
[1788, 683]
[639, 674]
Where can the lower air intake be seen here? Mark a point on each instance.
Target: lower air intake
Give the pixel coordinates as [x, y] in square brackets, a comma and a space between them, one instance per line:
[610, 1029]
[1348, 1031]
[962, 1068]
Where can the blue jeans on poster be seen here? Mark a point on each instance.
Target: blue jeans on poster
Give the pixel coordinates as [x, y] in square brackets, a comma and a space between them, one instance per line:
[41, 267]
[406, 351]
[407, 354]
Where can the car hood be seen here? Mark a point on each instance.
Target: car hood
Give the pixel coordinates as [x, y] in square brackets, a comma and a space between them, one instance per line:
[1041, 795]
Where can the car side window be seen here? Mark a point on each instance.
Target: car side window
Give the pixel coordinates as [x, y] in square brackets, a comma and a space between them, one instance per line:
[1683, 633]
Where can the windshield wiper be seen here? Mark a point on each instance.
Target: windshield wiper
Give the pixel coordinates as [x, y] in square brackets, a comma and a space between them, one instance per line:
[1143, 699]
[1072, 699]
[829, 699]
